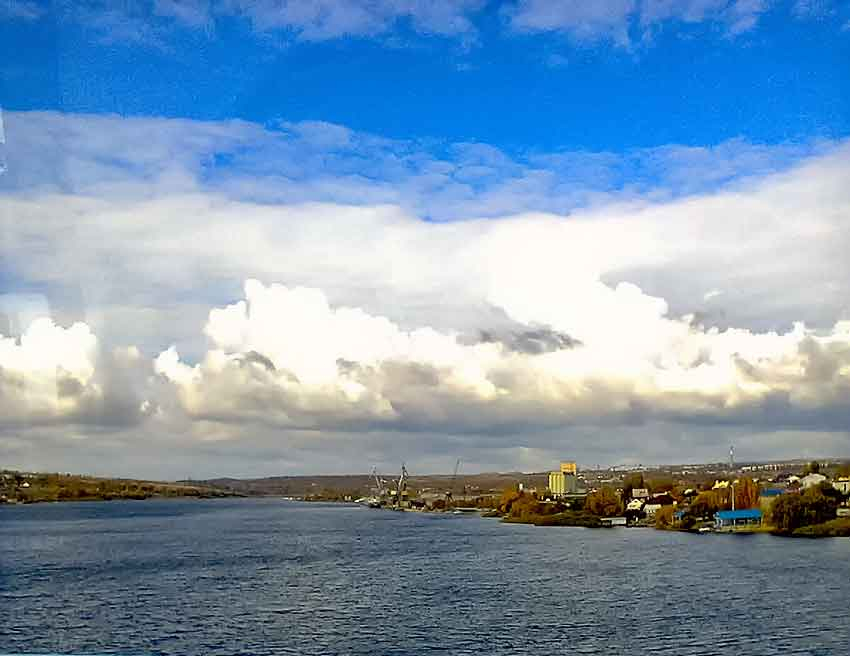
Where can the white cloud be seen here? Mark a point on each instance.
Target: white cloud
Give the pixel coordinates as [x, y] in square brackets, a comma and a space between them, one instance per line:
[713, 293]
[286, 357]
[620, 21]
[160, 23]
[532, 328]
[46, 373]
[583, 20]
[153, 23]
[317, 20]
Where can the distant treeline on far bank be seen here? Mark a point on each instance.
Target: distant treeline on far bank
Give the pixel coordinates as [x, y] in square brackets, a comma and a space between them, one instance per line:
[19, 487]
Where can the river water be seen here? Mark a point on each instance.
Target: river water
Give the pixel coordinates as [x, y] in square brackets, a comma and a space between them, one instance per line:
[268, 576]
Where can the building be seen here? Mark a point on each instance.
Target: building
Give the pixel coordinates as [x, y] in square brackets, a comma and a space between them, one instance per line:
[613, 521]
[640, 493]
[568, 467]
[561, 484]
[650, 509]
[730, 521]
[767, 496]
[656, 503]
[811, 480]
[564, 481]
[842, 484]
[635, 505]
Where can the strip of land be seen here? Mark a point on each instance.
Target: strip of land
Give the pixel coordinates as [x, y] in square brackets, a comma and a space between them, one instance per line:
[33, 487]
[797, 498]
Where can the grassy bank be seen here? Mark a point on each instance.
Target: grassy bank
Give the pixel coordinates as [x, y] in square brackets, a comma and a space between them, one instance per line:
[836, 528]
[567, 518]
[40, 488]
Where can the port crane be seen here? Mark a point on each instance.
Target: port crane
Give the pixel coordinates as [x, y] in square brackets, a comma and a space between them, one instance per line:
[450, 492]
[401, 488]
[375, 501]
[379, 483]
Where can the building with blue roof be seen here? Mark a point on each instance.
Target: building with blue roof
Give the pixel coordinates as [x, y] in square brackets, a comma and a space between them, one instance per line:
[737, 520]
[771, 492]
[768, 495]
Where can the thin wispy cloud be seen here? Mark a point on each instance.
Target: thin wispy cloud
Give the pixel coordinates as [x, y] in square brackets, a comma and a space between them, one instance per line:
[620, 22]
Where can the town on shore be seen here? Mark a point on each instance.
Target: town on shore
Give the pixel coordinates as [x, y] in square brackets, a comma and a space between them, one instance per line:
[794, 498]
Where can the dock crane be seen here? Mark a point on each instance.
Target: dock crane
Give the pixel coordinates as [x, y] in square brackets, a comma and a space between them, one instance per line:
[450, 492]
[375, 501]
[401, 489]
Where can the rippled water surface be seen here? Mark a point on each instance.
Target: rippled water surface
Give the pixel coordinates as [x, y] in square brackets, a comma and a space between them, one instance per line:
[277, 577]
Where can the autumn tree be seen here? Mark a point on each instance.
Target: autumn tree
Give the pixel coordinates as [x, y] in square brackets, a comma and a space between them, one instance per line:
[604, 502]
[509, 497]
[812, 468]
[814, 506]
[706, 504]
[746, 493]
[632, 481]
[660, 485]
[664, 517]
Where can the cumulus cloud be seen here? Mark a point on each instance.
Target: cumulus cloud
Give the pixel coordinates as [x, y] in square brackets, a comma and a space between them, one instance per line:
[48, 372]
[52, 375]
[596, 327]
[324, 367]
[104, 219]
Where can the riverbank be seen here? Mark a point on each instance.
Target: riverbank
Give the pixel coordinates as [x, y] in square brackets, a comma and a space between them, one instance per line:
[17, 488]
[835, 528]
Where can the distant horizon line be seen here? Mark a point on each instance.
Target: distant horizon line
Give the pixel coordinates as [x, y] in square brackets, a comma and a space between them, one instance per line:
[612, 468]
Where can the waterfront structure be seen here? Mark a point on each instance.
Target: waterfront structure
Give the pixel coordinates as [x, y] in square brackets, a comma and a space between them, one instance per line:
[613, 521]
[564, 481]
[731, 521]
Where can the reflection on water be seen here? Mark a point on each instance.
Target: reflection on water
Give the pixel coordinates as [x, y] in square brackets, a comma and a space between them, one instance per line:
[276, 577]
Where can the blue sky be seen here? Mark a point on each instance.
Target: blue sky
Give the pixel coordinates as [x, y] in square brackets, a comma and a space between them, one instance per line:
[692, 83]
[265, 237]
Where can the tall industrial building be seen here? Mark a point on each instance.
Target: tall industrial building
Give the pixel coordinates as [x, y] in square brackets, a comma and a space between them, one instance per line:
[564, 481]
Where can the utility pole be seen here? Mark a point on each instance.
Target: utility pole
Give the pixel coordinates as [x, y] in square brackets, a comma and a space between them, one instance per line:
[733, 495]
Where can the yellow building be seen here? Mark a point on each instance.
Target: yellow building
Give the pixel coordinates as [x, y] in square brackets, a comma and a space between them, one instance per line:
[564, 481]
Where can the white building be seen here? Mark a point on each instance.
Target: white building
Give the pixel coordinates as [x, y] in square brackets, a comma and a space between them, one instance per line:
[842, 484]
[811, 480]
[634, 504]
[651, 508]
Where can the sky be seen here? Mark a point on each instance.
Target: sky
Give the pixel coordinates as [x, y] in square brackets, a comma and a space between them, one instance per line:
[298, 237]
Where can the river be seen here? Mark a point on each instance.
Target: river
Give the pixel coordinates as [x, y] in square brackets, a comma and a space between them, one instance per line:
[269, 576]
